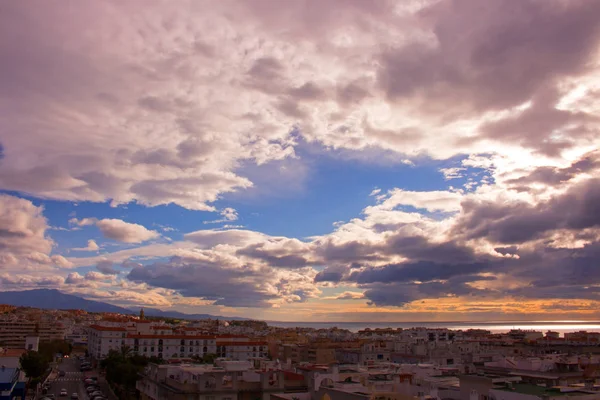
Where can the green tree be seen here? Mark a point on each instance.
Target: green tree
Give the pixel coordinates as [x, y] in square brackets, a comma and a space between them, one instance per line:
[126, 351]
[34, 364]
[209, 358]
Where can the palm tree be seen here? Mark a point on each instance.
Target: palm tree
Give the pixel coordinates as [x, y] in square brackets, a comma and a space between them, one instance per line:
[126, 351]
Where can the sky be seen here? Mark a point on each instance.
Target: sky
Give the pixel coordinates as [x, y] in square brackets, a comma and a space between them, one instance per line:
[347, 160]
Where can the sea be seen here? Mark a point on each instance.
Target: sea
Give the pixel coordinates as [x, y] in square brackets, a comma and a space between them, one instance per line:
[495, 327]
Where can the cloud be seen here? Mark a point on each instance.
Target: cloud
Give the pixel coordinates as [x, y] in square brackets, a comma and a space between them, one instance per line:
[350, 296]
[188, 114]
[230, 284]
[106, 268]
[190, 123]
[116, 229]
[74, 278]
[516, 222]
[23, 239]
[122, 231]
[91, 246]
[228, 214]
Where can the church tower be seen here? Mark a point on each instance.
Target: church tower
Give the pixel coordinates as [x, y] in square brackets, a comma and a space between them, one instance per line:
[142, 314]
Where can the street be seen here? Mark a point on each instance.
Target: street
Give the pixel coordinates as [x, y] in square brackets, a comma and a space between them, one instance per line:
[72, 381]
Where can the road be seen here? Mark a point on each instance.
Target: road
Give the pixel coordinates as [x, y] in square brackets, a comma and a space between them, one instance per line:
[72, 381]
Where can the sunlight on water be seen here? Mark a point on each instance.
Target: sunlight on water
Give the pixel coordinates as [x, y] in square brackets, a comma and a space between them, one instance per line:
[493, 326]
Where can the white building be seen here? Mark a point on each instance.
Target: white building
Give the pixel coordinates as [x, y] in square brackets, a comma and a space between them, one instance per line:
[161, 341]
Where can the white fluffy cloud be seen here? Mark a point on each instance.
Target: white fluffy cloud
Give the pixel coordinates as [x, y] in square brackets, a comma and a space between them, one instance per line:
[188, 102]
[91, 246]
[122, 231]
[172, 109]
[116, 229]
[24, 243]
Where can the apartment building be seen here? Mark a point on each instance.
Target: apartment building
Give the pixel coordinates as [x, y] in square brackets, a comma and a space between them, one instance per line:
[241, 351]
[228, 380]
[13, 332]
[165, 342]
[102, 339]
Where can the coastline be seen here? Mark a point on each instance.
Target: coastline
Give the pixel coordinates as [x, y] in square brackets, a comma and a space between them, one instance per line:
[493, 326]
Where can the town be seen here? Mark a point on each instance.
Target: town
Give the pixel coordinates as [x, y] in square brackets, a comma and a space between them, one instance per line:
[101, 356]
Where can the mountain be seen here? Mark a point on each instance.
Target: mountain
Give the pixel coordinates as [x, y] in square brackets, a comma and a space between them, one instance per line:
[155, 312]
[54, 299]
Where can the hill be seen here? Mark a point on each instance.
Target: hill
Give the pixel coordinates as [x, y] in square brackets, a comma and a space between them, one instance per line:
[154, 312]
[54, 299]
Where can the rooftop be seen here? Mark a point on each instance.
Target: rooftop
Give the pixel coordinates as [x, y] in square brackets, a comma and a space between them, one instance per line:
[7, 375]
[540, 391]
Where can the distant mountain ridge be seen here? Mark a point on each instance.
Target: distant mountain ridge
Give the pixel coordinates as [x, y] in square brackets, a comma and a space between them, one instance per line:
[52, 299]
[154, 312]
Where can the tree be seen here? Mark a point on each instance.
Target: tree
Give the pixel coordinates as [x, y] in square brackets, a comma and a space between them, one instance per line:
[34, 364]
[126, 351]
[209, 358]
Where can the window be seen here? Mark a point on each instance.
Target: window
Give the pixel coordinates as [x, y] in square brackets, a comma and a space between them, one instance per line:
[182, 342]
[160, 342]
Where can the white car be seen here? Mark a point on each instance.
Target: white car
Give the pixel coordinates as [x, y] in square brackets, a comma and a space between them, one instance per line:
[63, 392]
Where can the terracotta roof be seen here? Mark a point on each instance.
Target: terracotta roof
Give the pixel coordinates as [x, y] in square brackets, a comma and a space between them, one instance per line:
[107, 328]
[12, 352]
[292, 376]
[143, 336]
[241, 343]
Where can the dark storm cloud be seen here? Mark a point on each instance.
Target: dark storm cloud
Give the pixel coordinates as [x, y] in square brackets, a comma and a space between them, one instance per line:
[518, 222]
[418, 271]
[106, 267]
[205, 281]
[508, 53]
[555, 176]
[399, 294]
[420, 248]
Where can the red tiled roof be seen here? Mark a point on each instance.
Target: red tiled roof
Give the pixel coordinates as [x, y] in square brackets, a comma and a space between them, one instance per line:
[292, 376]
[12, 352]
[107, 328]
[144, 336]
[241, 343]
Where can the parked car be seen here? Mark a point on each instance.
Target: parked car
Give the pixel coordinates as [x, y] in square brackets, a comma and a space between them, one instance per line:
[74, 396]
[63, 392]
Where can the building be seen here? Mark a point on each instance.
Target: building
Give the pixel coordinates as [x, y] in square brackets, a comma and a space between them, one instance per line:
[11, 386]
[13, 332]
[162, 341]
[241, 351]
[521, 391]
[228, 380]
